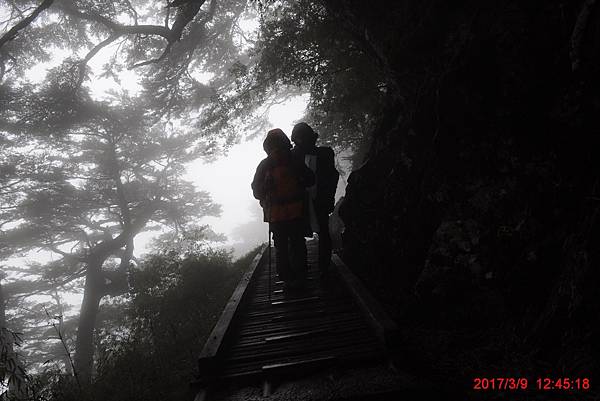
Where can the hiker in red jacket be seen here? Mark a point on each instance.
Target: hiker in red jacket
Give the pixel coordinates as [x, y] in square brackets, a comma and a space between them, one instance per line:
[279, 184]
[321, 196]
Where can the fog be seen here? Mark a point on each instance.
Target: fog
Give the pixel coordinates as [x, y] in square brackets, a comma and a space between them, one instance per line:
[228, 181]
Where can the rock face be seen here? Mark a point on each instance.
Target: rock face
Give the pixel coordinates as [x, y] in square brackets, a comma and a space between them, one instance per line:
[477, 205]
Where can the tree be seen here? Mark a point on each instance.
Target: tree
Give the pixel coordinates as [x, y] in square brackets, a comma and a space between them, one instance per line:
[82, 177]
[302, 47]
[105, 15]
[12, 374]
[168, 43]
[113, 177]
[154, 351]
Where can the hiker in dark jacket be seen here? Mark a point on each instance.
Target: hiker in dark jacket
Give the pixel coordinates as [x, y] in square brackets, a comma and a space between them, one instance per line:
[280, 184]
[321, 196]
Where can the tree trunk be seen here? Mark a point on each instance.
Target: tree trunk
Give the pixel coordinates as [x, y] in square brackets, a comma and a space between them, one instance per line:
[84, 345]
[2, 309]
[17, 389]
[95, 288]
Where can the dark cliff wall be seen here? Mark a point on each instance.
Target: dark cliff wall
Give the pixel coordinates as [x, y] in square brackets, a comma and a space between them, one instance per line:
[476, 208]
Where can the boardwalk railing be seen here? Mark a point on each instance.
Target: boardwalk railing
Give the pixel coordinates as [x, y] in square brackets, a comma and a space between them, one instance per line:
[208, 357]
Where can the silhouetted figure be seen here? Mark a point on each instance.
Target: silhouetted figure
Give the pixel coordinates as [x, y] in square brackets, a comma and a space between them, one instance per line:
[321, 196]
[279, 184]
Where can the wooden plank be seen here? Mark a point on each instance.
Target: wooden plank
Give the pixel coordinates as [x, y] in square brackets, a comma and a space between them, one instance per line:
[297, 315]
[292, 336]
[295, 301]
[215, 340]
[384, 327]
[298, 365]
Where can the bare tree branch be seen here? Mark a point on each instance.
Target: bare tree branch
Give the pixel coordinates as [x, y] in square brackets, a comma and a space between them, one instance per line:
[12, 33]
[133, 12]
[92, 53]
[185, 14]
[167, 17]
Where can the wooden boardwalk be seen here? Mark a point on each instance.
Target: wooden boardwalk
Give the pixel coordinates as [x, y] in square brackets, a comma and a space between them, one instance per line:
[262, 338]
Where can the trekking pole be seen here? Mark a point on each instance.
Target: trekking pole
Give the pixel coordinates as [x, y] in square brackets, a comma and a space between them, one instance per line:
[270, 207]
[269, 286]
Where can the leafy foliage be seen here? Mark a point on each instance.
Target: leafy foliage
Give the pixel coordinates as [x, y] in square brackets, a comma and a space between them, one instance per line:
[153, 355]
[12, 373]
[301, 48]
[102, 181]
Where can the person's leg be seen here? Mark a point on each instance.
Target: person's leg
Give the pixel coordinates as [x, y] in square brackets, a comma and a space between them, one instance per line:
[297, 252]
[281, 243]
[324, 243]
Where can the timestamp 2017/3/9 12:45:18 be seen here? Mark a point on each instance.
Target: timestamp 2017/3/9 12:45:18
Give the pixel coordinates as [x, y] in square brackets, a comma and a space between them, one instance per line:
[540, 383]
[563, 383]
